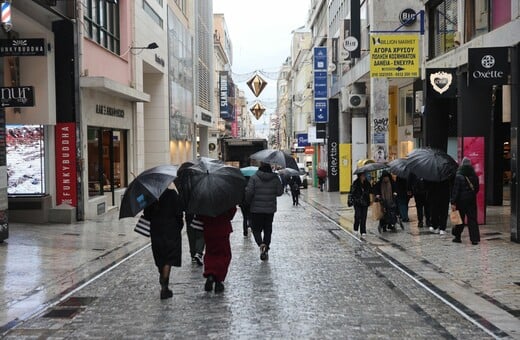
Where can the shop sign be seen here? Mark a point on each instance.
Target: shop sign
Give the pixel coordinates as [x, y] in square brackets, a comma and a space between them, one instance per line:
[22, 47]
[321, 111]
[441, 82]
[394, 55]
[110, 111]
[20, 96]
[474, 149]
[66, 164]
[321, 130]
[225, 112]
[320, 59]
[320, 84]
[205, 117]
[309, 150]
[407, 17]
[303, 139]
[488, 66]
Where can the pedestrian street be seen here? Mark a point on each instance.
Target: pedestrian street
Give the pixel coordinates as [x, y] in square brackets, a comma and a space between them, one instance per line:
[319, 283]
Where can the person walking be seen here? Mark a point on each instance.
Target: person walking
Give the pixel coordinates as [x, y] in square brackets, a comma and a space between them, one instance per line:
[420, 194]
[360, 193]
[165, 216]
[295, 182]
[195, 232]
[386, 193]
[218, 249]
[403, 197]
[464, 198]
[246, 214]
[261, 192]
[439, 200]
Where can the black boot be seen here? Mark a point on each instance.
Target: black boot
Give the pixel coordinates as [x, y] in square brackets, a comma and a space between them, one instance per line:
[166, 293]
[208, 287]
[219, 287]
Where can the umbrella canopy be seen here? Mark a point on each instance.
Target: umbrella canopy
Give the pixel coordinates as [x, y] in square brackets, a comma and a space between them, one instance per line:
[249, 171]
[322, 173]
[431, 164]
[146, 188]
[275, 157]
[370, 167]
[211, 188]
[289, 172]
[399, 167]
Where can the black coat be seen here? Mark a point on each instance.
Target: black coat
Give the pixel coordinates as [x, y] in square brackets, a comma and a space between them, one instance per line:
[462, 191]
[360, 193]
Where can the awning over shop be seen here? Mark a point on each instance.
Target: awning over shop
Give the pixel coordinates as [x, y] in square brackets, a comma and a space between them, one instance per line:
[114, 88]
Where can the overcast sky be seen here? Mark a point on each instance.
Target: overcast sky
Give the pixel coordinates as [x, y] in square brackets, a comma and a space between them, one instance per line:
[260, 31]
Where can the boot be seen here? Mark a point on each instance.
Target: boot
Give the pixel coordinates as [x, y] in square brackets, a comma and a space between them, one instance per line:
[164, 280]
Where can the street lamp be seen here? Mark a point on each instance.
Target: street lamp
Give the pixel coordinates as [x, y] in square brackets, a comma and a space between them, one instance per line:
[151, 46]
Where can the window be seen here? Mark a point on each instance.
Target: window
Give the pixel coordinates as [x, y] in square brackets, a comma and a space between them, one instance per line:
[153, 14]
[106, 160]
[476, 14]
[160, 2]
[102, 23]
[406, 106]
[25, 159]
[182, 5]
[443, 27]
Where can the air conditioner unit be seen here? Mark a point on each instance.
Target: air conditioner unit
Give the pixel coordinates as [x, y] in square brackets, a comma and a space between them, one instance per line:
[357, 101]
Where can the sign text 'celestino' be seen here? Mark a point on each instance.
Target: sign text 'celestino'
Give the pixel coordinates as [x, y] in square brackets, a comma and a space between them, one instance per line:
[66, 164]
[394, 55]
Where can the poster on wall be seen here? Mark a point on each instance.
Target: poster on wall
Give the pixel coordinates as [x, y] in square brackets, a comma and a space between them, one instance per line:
[379, 153]
[474, 148]
[345, 167]
[25, 159]
[66, 164]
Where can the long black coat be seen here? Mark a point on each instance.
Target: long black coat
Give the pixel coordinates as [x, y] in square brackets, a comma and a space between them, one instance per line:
[361, 193]
[462, 191]
[165, 216]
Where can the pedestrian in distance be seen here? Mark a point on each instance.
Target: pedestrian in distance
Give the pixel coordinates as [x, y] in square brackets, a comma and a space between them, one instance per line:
[295, 182]
[195, 232]
[386, 193]
[218, 249]
[439, 200]
[464, 198]
[420, 194]
[404, 194]
[261, 192]
[165, 216]
[360, 199]
[246, 214]
[321, 182]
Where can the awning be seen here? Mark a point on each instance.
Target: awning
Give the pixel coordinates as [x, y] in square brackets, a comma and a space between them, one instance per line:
[113, 88]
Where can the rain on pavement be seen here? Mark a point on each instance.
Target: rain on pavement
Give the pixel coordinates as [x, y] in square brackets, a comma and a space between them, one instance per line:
[319, 282]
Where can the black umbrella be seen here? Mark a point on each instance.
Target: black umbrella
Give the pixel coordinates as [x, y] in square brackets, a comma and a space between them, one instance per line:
[370, 167]
[399, 167]
[431, 164]
[275, 157]
[210, 187]
[146, 188]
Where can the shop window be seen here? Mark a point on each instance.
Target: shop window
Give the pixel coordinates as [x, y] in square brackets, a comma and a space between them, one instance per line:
[102, 23]
[476, 18]
[106, 160]
[406, 106]
[25, 159]
[443, 27]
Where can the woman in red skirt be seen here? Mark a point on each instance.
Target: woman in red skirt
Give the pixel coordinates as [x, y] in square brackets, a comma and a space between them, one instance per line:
[218, 249]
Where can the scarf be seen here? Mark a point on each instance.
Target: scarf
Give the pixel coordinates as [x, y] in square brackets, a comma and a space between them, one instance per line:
[386, 189]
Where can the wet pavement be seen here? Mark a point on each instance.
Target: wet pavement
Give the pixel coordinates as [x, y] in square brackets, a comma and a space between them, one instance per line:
[39, 263]
[319, 283]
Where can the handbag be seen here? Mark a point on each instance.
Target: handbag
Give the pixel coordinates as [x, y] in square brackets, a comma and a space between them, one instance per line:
[350, 200]
[455, 218]
[143, 226]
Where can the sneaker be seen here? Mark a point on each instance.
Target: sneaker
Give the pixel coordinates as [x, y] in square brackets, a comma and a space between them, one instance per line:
[219, 287]
[434, 230]
[420, 225]
[363, 235]
[456, 240]
[193, 260]
[198, 259]
[442, 232]
[431, 229]
[263, 252]
[208, 287]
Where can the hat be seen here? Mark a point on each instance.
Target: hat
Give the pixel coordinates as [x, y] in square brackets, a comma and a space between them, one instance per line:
[466, 161]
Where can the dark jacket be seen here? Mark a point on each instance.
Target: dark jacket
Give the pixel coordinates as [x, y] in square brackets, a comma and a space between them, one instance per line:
[295, 183]
[262, 190]
[377, 186]
[462, 191]
[165, 215]
[419, 186]
[403, 188]
[360, 193]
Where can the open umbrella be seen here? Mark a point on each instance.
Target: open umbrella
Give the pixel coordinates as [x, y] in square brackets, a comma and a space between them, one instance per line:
[211, 188]
[399, 167]
[431, 164]
[289, 172]
[275, 157]
[249, 171]
[322, 173]
[146, 188]
[370, 167]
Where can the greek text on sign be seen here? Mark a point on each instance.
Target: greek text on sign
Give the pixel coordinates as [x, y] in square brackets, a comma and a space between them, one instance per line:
[394, 55]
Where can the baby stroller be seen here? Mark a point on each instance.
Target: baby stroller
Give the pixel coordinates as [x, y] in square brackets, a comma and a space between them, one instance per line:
[390, 216]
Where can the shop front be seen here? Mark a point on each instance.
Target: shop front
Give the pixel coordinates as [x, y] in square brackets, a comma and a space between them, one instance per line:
[108, 130]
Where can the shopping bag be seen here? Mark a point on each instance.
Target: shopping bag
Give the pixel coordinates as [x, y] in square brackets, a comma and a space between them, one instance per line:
[143, 226]
[455, 218]
[377, 211]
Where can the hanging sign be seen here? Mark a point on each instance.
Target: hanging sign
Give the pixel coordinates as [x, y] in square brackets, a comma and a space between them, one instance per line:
[66, 164]
[19, 96]
[257, 84]
[394, 55]
[441, 82]
[22, 47]
[321, 111]
[225, 109]
[488, 66]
